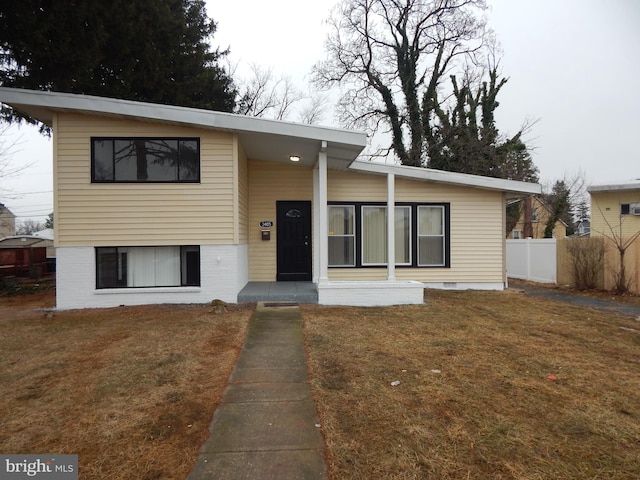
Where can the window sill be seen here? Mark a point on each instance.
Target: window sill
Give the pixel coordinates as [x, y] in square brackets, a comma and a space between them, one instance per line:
[133, 290]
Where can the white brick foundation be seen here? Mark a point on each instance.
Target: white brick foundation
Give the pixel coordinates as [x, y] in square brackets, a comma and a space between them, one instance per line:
[223, 272]
[370, 294]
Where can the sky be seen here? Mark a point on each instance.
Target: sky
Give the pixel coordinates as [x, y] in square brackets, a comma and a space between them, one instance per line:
[573, 69]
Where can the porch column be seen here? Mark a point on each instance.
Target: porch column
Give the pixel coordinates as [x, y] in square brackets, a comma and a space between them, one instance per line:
[323, 214]
[391, 227]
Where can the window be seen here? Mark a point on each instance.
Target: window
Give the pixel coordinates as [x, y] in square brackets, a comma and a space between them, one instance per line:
[342, 236]
[145, 160]
[358, 235]
[431, 236]
[130, 267]
[517, 234]
[374, 235]
[630, 209]
[534, 214]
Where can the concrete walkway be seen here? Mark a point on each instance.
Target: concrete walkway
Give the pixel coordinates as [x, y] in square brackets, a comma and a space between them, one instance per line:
[265, 427]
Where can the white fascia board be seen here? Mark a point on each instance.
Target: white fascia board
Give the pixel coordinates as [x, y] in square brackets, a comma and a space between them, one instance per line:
[43, 104]
[451, 178]
[614, 187]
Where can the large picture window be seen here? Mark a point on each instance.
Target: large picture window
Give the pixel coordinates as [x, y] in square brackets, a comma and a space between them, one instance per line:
[374, 235]
[130, 267]
[145, 159]
[358, 235]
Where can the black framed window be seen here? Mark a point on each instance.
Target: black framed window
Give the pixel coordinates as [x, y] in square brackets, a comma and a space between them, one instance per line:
[145, 160]
[133, 267]
[358, 234]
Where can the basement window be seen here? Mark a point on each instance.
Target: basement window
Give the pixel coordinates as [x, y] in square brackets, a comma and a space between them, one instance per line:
[134, 267]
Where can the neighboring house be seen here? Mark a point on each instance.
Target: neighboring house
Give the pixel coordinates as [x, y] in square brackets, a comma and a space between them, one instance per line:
[540, 214]
[7, 222]
[159, 204]
[615, 208]
[615, 216]
[583, 228]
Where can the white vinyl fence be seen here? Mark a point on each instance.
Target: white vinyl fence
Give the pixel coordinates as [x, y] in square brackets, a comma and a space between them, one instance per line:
[532, 259]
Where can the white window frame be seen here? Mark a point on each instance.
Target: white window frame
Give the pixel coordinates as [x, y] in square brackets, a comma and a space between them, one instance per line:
[443, 236]
[353, 234]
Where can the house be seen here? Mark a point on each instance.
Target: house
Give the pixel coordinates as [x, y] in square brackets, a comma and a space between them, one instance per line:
[540, 214]
[583, 227]
[615, 208]
[615, 217]
[159, 203]
[7, 222]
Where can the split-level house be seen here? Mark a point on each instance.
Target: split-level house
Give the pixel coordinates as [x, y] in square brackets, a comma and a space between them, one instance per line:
[165, 204]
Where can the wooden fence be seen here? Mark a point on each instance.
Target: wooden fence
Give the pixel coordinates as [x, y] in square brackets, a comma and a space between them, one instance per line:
[573, 252]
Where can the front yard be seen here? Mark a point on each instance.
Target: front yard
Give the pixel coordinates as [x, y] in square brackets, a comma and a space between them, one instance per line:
[131, 390]
[492, 385]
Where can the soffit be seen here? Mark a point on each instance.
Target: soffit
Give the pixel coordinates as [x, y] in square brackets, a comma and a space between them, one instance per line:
[261, 139]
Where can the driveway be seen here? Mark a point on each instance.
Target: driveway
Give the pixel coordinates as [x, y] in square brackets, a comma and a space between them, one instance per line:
[553, 293]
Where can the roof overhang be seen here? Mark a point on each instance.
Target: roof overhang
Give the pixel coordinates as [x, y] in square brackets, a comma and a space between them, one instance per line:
[615, 187]
[262, 139]
[512, 188]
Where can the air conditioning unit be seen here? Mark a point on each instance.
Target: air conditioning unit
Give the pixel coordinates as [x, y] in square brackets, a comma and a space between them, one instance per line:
[635, 209]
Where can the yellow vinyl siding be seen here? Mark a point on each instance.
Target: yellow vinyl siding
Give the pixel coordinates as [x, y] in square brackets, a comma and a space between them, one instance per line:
[140, 213]
[243, 197]
[356, 187]
[605, 214]
[476, 227]
[268, 183]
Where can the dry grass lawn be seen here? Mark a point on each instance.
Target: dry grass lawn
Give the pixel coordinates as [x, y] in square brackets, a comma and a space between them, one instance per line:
[493, 385]
[131, 390]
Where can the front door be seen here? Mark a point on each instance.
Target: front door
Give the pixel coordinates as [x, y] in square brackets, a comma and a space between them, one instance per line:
[293, 227]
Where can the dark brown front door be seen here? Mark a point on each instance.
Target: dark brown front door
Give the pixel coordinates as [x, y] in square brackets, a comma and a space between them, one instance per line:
[293, 229]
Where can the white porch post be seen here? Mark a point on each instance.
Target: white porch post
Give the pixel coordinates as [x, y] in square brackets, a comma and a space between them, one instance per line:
[323, 215]
[391, 227]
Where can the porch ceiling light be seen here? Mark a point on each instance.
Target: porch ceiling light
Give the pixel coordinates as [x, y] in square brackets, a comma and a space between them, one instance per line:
[294, 158]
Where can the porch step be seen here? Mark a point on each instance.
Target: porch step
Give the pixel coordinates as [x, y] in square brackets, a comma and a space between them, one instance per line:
[298, 292]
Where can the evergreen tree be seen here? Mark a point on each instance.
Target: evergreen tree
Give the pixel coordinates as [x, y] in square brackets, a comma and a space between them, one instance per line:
[147, 50]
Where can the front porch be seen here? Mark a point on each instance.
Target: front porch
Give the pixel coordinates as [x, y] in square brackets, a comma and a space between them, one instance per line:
[357, 293]
[298, 292]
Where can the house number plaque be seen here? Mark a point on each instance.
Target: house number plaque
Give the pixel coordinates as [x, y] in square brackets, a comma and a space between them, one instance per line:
[266, 223]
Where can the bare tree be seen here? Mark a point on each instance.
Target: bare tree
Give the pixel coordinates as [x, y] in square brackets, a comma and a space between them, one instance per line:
[314, 110]
[393, 55]
[8, 148]
[264, 95]
[28, 227]
[8, 169]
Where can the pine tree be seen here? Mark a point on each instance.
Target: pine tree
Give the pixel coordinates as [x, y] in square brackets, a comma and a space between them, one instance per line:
[147, 50]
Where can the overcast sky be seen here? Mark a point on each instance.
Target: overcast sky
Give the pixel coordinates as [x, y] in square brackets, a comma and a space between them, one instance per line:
[573, 65]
